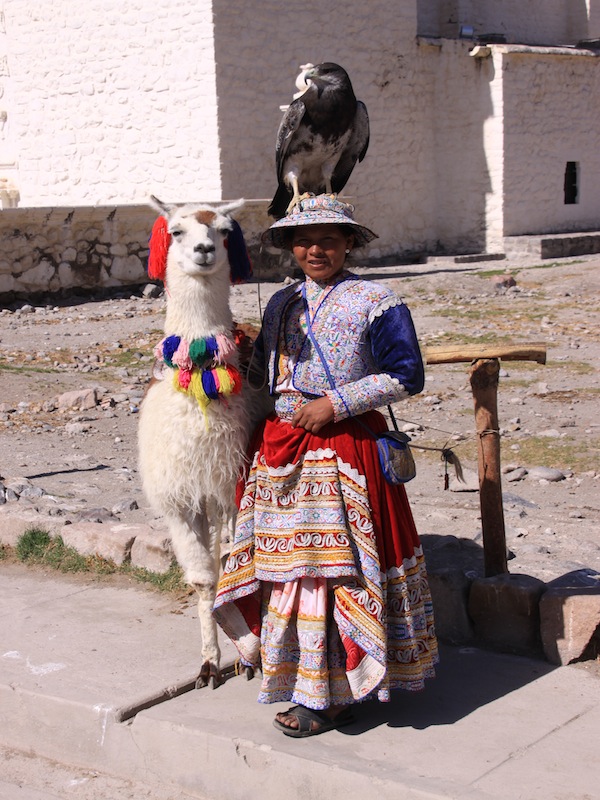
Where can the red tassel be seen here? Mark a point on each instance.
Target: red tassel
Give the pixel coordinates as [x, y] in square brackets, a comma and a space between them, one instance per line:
[160, 240]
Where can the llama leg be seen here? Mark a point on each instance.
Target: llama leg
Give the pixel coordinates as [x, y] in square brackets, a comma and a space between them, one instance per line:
[208, 533]
[194, 543]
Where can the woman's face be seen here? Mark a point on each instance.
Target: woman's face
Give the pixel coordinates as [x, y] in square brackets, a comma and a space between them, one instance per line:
[320, 250]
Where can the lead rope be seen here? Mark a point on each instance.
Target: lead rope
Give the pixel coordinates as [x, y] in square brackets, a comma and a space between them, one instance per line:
[448, 454]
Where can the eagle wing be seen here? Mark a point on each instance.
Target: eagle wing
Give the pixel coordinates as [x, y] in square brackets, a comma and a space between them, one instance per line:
[355, 150]
[287, 128]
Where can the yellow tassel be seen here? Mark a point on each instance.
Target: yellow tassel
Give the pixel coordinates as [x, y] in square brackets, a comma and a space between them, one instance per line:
[225, 382]
[196, 389]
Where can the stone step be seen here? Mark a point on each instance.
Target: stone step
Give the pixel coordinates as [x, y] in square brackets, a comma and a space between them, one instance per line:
[553, 245]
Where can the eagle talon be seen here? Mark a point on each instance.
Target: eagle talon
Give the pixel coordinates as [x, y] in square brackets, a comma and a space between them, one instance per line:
[296, 200]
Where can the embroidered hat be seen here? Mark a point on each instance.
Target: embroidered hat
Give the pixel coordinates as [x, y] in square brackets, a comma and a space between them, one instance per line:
[321, 209]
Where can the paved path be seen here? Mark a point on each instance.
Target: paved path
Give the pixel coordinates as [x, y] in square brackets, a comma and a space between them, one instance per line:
[97, 677]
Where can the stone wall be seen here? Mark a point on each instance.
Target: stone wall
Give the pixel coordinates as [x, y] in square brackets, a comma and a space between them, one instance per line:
[54, 251]
[51, 250]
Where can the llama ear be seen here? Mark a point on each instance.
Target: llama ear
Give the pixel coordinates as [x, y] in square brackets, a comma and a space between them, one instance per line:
[239, 260]
[160, 239]
[163, 208]
[233, 205]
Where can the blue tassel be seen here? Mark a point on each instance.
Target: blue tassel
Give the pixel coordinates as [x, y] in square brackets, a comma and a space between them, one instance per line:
[170, 345]
[239, 260]
[209, 385]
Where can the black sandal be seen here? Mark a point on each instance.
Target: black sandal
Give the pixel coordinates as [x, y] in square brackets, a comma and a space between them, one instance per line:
[307, 717]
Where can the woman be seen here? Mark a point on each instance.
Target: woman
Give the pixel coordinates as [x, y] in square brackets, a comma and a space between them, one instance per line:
[325, 587]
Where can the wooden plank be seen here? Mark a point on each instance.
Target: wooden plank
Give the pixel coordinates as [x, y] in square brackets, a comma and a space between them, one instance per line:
[457, 353]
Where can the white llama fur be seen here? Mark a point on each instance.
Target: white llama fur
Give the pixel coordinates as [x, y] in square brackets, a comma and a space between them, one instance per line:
[190, 461]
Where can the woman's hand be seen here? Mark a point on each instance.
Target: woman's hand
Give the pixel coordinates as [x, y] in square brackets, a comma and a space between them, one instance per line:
[313, 415]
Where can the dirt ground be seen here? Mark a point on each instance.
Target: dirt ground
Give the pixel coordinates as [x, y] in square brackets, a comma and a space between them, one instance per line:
[84, 461]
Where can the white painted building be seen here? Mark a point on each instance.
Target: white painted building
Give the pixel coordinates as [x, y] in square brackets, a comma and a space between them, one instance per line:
[484, 118]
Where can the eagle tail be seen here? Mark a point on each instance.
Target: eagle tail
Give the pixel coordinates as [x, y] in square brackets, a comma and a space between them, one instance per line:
[280, 202]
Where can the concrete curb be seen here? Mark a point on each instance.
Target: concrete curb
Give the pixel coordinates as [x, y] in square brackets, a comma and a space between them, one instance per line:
[79, 660]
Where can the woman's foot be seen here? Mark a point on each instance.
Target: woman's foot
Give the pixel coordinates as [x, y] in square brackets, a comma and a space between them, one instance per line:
[299, 722]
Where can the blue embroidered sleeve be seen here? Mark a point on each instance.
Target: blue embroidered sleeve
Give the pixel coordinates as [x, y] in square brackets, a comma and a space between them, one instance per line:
[395, 347]
[397, 356]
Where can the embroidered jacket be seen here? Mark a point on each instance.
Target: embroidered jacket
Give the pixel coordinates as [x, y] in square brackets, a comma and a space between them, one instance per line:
[366, 337]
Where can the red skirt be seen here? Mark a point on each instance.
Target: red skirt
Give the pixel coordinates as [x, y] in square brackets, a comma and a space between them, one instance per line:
[325, 587]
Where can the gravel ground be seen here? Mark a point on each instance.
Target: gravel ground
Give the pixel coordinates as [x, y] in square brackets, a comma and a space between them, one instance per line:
[84, 460]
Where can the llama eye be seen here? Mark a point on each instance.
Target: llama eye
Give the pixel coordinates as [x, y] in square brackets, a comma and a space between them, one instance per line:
[176, 233]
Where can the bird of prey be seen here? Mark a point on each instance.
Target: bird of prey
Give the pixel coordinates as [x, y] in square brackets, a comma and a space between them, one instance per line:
[323, 133]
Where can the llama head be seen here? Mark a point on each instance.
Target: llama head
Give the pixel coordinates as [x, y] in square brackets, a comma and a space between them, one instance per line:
[203, 239]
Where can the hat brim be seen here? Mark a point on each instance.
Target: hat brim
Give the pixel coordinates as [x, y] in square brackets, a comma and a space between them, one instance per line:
[278, 234]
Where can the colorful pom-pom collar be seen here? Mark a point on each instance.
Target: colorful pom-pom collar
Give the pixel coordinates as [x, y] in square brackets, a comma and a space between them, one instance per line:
[201, 367]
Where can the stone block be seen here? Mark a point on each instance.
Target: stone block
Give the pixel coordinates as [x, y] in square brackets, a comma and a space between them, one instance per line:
[79, 398]
[505, 612]
[152, 550]
[14, 525]
[112, 542]
[570, 617]
[450, 594]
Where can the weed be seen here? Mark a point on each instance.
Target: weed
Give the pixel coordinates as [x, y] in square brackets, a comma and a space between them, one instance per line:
[37, 547]
[170, 581]
[33, 545]
[490, 273]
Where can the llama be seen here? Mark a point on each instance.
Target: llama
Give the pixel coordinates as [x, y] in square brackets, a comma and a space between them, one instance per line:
[194, 424]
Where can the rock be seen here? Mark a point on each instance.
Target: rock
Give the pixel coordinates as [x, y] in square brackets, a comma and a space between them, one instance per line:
[152, 290]
[503, 281]
[80, 398]
[450, 593]
[124, 505]
[516, 475]
[546, 474]
[411, 427]
[112, 542]
[570, 617]
[14, 525]
[509, 468]
[94, 515]
[151, 549]
[550, 433]
[31, 491]
[73, 428]
[505, 612]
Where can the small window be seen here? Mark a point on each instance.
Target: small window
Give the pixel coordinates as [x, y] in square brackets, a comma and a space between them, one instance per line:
[571, 183]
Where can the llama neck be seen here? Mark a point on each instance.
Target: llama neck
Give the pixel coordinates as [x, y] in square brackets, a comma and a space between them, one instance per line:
[197, 306]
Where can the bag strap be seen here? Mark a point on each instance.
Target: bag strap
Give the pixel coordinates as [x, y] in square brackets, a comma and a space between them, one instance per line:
[321, 355]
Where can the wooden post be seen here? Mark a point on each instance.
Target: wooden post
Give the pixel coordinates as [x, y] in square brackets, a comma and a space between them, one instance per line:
[484, 383]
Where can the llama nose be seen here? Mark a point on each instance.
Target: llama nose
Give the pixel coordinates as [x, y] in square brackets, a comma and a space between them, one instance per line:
[204, 248]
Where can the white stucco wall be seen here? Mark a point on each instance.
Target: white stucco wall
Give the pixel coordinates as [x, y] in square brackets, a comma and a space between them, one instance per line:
[102, 103]
[552, 115]
[258, 52]
[110, 101]
[459, 109]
